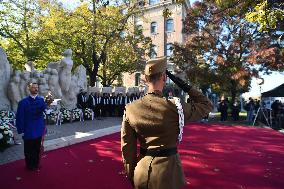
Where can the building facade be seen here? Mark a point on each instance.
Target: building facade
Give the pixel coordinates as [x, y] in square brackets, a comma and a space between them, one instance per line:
[164, 31]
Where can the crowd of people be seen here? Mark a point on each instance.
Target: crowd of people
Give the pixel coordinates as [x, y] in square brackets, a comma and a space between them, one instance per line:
[251, 107]
[106, 105]
[277, 108]
[223, 107]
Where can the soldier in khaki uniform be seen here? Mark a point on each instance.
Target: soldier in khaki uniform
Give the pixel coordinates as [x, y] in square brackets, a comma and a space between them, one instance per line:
[154, 121]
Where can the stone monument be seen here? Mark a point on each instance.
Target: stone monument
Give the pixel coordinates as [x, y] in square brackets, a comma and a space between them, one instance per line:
[14, 91]
[53, 83]
[80, 73]
[5, 74]
[69, 100]
[29, 66]
[25, 78]
[64, 71]
[57, 78]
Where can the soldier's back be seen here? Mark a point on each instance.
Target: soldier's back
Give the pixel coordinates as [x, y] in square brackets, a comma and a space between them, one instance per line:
[155, 119]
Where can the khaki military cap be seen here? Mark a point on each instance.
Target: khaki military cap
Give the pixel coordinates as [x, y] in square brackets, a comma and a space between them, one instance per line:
[158, 65]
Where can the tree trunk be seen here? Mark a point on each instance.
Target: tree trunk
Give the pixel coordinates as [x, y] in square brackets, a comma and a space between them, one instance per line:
[96, 63]
[94, 73]
[104, 81]
[93, 78]
[233, 91]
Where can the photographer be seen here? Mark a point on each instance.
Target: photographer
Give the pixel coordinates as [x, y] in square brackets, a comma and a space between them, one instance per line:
[157, 123]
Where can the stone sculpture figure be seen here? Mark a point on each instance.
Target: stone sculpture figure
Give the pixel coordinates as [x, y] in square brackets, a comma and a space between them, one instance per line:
[25, 78]
[14, 91]
[53, 83]
[69, 100]
[64, 71]
[57, 78]
[46, 73]
[36, 75]
[80, 73]
[29, 66]
[5, 75]
[43, 87]
[53, 65]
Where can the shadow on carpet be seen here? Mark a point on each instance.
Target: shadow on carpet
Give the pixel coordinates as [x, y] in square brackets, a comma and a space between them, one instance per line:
[213, 157]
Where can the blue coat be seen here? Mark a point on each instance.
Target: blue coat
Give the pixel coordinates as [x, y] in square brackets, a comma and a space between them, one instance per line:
[30, 117]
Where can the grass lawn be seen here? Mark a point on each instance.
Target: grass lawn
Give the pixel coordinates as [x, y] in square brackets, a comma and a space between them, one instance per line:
[215, 118]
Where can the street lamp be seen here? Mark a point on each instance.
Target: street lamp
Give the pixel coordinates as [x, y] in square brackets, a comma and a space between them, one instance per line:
[260, 81]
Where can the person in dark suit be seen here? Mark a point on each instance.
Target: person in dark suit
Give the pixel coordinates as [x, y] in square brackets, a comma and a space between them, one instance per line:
[91, 101]
[157, 123]
[223, 109]
[126, 100]
[236, 111]
[82, 100]
[120, 104]
[98, 106]
[105, 105]
[112, 105]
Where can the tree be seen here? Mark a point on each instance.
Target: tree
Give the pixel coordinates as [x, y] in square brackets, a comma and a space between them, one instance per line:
[19, 26]
[230, 50]
[269, 14]
[93, 30]
[126, 54]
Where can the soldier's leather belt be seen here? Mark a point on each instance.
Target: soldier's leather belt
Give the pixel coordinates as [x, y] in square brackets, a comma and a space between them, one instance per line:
[156, 152]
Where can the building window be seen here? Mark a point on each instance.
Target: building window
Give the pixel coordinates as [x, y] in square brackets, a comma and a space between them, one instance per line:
[141, 3]
[153, 51]
[153, 2]
[139, 29]
[137, 79]
[170, 25]
[154, 28]
[169, 49]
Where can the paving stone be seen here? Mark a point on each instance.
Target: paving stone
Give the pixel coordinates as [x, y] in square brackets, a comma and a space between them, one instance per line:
[64, 135]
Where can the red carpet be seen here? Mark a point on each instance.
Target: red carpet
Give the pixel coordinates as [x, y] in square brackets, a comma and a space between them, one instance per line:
[213, 157]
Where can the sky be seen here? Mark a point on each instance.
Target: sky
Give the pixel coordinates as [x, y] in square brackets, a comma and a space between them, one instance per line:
[270, 82]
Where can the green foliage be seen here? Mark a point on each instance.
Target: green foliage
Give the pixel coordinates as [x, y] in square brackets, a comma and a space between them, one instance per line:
[19, 23]
[266, 16]
[95, 35]
[92, 30]
[269, 14]
[223, 50]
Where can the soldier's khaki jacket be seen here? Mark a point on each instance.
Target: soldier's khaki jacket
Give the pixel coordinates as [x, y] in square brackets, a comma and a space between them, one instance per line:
[154, 121]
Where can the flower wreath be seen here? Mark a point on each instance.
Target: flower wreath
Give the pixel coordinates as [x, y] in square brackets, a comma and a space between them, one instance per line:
[6, 135]
[53, 117]
[88, 114]
[7, 116]
[76, 114]
[66, 115]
